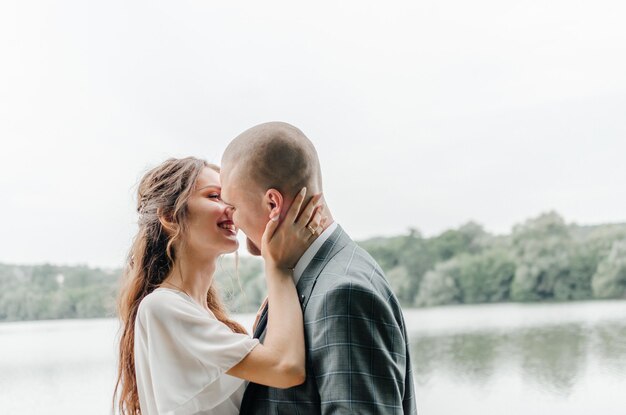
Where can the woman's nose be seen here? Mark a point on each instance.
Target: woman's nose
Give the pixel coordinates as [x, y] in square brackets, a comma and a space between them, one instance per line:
[228, 209]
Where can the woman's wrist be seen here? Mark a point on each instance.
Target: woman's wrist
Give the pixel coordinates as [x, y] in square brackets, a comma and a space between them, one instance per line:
[274, 270]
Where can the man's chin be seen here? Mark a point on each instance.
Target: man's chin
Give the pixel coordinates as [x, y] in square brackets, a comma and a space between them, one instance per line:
[252, 248]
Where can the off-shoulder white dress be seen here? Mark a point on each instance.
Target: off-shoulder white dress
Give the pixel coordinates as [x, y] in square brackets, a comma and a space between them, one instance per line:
[181, 355]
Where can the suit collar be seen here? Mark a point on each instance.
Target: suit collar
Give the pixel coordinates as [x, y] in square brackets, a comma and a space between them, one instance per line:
[305, 259]
[335, 243]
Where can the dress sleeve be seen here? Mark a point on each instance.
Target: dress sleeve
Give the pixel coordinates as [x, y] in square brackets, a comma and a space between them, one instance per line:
[188, 352]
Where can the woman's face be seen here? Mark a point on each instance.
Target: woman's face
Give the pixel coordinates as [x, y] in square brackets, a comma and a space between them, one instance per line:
[210, 228]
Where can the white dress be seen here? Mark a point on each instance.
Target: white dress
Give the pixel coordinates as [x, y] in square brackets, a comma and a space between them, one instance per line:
[181, 355]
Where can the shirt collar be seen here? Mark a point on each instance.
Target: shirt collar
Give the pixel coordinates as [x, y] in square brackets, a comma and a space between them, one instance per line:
[308, 255]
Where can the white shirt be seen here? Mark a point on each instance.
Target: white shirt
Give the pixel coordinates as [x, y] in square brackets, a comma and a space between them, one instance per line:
[181, 355]
[308, 255]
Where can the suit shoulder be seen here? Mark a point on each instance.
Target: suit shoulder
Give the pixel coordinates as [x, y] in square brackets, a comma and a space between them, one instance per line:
[354, 267]
[352, 253]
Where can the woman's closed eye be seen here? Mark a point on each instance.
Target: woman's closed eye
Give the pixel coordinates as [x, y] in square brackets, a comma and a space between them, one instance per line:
[215, 196]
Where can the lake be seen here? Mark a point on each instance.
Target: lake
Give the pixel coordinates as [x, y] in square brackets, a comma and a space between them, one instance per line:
[488, 359]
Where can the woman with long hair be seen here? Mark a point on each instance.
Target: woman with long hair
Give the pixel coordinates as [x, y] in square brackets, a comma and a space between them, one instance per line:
[179, 351]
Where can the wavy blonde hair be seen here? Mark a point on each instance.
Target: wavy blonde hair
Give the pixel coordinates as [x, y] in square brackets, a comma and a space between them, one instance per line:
[163, 191]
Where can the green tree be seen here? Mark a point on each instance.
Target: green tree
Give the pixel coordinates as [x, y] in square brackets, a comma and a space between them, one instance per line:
[575, 284]
[44, 277]
[486, 277]
[405, 259]
[610, 279]
[402, 284]
[545, 252]
[440, 286]
[467, 239]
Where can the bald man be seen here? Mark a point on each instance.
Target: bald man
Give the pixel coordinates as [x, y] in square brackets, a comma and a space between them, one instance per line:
[357, 347]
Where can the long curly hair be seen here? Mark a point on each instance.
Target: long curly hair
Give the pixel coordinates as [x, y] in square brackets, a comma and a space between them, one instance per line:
[163, 191]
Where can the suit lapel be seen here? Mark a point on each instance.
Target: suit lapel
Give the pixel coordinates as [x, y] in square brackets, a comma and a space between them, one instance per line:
[335, 243]
[260, 327]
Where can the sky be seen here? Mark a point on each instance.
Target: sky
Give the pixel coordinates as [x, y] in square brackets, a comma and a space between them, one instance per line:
[425, 114]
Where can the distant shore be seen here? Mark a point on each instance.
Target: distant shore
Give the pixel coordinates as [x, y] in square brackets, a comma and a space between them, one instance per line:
[542, 260]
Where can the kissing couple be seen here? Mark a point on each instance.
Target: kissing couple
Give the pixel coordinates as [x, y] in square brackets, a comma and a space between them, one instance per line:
[330, 337]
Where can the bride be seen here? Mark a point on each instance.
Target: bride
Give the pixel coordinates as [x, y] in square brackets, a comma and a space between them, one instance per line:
[180, 353]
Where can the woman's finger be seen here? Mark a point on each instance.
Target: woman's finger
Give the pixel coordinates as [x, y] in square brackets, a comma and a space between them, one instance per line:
[316, 220]
[309, 210]
[323, 222]
[270, 229]
[292, 213]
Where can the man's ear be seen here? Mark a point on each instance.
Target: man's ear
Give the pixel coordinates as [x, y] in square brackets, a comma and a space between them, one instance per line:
[274, 202]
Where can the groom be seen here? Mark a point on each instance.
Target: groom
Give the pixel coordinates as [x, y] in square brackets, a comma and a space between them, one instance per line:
[357, 347]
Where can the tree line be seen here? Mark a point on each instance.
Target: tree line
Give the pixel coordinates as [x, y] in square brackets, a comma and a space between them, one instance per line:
[542, 259]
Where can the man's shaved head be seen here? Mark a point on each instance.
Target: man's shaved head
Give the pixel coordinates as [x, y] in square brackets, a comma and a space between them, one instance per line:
[275, 155]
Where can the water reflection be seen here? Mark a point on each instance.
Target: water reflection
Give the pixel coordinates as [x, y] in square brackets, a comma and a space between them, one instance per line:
[610, 344]
[552, 358]
[464, 357]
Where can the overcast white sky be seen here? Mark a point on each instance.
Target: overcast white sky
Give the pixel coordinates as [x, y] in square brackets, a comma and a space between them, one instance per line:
[425, 114]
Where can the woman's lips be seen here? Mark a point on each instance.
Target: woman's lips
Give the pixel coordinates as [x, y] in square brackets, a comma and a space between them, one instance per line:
[228, 226]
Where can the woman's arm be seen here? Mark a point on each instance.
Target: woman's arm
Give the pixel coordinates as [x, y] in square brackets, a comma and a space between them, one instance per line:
[280, 361]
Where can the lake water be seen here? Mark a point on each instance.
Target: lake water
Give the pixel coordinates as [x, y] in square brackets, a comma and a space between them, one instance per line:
[493, 359]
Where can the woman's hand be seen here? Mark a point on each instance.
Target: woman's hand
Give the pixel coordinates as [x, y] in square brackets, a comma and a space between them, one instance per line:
[285, 242]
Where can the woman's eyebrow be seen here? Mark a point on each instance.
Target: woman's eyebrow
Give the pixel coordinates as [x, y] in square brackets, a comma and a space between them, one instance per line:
[214, 186]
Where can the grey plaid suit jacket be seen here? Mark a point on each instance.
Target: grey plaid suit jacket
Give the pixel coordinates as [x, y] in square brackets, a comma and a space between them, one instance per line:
[357, 347]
